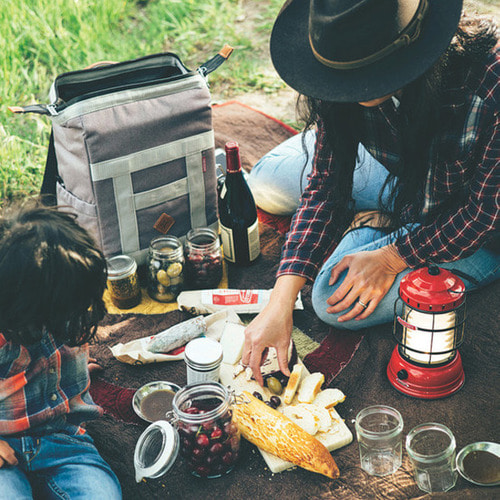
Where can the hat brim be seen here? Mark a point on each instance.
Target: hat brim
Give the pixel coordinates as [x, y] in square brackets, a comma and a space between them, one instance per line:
[297, 66]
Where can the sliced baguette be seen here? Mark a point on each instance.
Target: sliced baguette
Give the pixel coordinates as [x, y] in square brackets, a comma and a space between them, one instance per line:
[310, 387]
[304, 418]
[273, 432]
[293, 384]
[329, 398]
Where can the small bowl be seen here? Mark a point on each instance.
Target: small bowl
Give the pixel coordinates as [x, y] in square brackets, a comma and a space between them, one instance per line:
[146, 390]
[493, 448]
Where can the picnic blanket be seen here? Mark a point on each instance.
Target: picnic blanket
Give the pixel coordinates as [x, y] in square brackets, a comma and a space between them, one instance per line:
[353, 362]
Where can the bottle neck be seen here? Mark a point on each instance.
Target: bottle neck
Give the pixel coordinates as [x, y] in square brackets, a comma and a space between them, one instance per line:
[233, 162]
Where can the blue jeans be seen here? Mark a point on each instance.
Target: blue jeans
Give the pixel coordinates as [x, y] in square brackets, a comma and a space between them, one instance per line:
[277, 181]
[57, 466]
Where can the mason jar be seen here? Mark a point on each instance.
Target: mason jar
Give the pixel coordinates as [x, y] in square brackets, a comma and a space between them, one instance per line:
[165, 268]
[200, 428]
[123, 283]
[203, 259]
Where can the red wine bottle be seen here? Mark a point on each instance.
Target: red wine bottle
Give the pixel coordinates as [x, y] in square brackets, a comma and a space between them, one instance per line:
[239, 227]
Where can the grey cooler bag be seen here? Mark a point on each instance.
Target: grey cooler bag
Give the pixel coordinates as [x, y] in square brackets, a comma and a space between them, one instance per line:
[132, 150]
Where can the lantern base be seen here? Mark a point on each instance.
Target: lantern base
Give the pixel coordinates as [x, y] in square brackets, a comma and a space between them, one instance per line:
[425, 382]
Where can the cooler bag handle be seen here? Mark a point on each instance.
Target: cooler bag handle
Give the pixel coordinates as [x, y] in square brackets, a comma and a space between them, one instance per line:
[53, 108]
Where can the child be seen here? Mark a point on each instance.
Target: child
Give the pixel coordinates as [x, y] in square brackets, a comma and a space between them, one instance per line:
[52, 280]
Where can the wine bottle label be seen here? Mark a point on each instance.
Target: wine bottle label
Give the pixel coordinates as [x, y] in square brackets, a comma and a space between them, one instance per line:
[253, 241]
[226, 234]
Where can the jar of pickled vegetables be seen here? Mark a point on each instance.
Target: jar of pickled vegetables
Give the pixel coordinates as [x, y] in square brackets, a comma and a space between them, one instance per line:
[200, 428]
[165, 268]
[123, 284]
[203, 259]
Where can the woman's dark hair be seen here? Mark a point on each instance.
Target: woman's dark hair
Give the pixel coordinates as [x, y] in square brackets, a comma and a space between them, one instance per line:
[52, 276]
[420, 110]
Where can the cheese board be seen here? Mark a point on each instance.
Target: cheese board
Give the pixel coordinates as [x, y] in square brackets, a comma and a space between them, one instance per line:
[311, 409]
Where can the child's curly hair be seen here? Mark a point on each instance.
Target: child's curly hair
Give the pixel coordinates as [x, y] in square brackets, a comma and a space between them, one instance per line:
[52, 276]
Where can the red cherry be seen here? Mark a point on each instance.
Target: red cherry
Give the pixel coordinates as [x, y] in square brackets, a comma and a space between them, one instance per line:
[227, 458]
[202, 471]
[198, 453]
[192, 411]
[202, 440]
[216, 449]
[216, 433]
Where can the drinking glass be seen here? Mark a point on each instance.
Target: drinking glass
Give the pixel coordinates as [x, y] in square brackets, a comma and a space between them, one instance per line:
[379, 433]
[431, 448]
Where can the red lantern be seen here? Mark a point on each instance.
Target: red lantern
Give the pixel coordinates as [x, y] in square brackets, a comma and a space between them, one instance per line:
[429, 318]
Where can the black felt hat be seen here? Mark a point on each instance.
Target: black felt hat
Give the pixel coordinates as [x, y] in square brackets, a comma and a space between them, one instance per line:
[359, 50]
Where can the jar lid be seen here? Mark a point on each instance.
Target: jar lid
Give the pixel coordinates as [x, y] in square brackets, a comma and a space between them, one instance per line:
[119, 266]
[479, 463]
[156, 450]
[203, 351]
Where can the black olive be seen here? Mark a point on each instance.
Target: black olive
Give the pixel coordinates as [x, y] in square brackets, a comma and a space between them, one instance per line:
[275, 401]
[258, 395]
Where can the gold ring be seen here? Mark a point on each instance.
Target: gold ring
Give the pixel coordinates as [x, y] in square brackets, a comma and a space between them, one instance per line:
[362, 304]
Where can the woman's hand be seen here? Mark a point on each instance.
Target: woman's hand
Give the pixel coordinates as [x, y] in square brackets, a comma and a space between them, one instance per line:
[369, 277]
[272, 327]
[7, 454]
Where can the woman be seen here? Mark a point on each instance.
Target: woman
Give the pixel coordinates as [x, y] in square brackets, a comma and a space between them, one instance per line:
[405, 101]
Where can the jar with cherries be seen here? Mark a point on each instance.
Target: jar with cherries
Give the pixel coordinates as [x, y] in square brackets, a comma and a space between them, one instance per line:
[200, 428]
[203, 255]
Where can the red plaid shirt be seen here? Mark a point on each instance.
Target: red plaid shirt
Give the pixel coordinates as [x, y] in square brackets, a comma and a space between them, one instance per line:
[43, 383]
[465, 156]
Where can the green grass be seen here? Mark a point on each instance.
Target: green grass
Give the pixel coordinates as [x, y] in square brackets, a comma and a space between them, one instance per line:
[41, 38]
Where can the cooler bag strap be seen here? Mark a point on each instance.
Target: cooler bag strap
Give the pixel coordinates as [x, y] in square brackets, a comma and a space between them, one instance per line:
[48, 189]
[213, 63]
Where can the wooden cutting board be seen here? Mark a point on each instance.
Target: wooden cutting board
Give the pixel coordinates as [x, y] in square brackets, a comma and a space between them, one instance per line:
[338, 435]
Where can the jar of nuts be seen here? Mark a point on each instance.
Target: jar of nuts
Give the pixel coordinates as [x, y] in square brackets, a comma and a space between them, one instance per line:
[203, 259]
[123, 284]
[165, 268]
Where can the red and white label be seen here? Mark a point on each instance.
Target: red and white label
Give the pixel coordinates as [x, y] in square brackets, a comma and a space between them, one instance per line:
[231, 297]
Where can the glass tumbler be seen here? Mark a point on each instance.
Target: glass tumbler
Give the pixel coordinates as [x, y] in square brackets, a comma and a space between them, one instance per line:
[379, 433]
[431, 448]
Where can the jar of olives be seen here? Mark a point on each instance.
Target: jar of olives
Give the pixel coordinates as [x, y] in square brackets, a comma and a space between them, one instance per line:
[200, 428]
[165, 268]
[123, 284]
[203, 259]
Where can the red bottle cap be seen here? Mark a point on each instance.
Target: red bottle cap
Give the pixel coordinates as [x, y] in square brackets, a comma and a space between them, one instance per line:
[233, 162]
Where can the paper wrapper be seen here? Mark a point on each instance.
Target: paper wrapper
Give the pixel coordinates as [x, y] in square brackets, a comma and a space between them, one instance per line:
[238, 301]
[136, 351]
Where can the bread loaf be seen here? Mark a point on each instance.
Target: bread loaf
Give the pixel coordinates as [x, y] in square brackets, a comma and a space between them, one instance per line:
[273, 432]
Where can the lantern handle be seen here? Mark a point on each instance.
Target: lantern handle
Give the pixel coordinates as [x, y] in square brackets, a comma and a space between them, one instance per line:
[460, 274]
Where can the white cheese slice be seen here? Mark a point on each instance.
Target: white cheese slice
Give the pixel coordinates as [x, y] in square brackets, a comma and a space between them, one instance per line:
[232, 341]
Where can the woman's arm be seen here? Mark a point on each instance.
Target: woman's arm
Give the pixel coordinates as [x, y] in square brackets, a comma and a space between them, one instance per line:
[7, 454]
[272, 327]
[458, 233]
